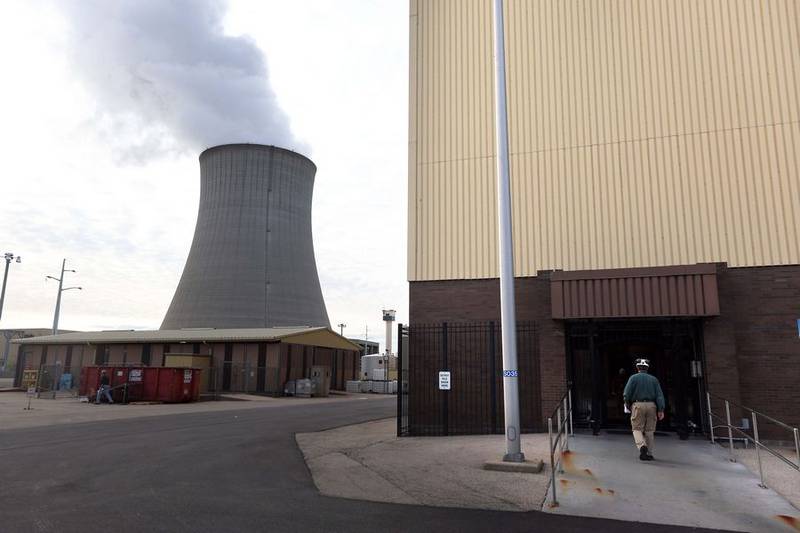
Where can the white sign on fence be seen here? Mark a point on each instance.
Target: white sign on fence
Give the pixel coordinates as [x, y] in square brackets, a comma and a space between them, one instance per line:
[444, 380]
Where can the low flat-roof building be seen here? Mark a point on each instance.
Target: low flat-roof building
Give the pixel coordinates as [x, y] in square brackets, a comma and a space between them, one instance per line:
[367, 347]
[259, 360]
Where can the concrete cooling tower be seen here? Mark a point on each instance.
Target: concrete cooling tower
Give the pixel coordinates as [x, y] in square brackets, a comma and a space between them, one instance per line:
[251, 264]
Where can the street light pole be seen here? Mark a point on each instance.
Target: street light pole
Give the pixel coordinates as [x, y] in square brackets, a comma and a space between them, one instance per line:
[341, 328]
[508, 318]
[9, 257]
[60, 281]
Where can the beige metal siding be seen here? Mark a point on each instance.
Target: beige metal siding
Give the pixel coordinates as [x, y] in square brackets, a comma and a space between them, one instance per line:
[643, 133]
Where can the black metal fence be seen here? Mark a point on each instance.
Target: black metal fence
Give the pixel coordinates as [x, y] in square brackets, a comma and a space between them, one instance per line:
[472, 354]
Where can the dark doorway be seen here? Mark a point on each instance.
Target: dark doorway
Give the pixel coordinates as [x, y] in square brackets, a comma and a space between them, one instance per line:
[146, 354]
[226, 367]
[601, 356]
[262, 368]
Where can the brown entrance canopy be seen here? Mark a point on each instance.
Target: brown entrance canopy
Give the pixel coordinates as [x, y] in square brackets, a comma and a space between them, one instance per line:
[689, 290]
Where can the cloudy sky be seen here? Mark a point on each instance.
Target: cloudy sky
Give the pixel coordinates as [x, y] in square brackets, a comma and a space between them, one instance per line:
[106, 106]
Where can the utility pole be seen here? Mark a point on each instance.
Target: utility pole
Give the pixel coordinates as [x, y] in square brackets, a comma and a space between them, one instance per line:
[61, 289]
[9, 257]
[508, 319]
[341, 328]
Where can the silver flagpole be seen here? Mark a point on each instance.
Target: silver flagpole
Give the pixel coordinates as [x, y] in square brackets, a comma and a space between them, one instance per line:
[508, 317]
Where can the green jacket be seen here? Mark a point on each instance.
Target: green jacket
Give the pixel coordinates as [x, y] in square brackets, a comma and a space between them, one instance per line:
[642, 387]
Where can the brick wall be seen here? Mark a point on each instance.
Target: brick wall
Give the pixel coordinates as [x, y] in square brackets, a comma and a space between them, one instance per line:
[759, 311]
[719, 337]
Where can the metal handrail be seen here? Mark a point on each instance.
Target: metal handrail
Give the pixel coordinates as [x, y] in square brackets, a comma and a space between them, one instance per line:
[563, 415]
[754, 439]
[773, 420]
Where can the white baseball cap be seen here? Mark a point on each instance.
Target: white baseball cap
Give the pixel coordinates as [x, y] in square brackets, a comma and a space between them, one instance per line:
[643, 362]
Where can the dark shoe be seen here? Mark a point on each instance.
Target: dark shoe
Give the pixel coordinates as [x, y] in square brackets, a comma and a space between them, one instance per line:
[644, 455]
[650, 457]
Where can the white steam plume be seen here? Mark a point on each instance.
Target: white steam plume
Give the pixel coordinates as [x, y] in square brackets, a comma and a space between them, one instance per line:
[164, 77]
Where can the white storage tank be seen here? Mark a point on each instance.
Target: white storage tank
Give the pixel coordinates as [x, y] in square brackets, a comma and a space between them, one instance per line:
[372, 367]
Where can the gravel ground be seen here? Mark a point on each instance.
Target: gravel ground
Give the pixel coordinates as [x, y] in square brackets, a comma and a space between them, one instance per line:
[777, 475]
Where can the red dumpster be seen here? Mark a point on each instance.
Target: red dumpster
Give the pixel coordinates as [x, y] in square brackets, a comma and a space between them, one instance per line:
[147, 384]
[171, 384]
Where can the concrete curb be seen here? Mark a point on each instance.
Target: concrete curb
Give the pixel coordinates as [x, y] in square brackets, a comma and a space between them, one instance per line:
[530, 466]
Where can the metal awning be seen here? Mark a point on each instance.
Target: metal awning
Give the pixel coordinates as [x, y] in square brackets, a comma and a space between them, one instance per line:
[674, 291]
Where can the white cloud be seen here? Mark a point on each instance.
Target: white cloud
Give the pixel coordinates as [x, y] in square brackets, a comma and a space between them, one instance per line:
[164, 77]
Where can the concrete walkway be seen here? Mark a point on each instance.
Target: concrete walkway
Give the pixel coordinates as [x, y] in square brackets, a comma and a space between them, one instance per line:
[368, 462]
[691, 483]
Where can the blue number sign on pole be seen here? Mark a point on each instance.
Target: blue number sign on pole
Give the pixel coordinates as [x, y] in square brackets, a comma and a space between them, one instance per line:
[510, 373]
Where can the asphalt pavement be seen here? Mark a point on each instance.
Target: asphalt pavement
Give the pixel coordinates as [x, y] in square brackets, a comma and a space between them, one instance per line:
[216, 472]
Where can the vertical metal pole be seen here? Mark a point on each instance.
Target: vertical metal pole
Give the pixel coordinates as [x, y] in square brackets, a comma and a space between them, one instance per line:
[558, 430]
[566, 425]
[730, 431]
[797, 445]
[710, 418]
[508, 318]
[5, 278]
[758, 450]
[446, 397]
[554, 503]
[58, 298]
[571, 426]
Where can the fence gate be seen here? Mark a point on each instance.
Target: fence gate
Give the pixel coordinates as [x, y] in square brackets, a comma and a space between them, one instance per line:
[470, 355]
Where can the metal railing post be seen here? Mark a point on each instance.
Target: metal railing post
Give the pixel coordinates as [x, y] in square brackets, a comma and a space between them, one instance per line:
[554, 503]
[558, 436]
[572, 427]
[758, 450]
[566, 427]
[797, 445]
[710, 417]
[730, 431]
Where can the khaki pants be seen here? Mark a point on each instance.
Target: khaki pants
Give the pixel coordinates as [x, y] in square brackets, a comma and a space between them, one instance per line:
[643, 423]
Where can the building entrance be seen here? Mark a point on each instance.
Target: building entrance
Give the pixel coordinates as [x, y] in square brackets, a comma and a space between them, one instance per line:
[600, 359]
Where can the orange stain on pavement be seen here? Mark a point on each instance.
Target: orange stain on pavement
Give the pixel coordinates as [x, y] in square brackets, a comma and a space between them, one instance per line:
[791, 521]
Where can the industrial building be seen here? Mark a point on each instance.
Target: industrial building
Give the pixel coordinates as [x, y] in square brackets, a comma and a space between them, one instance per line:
[233, 360]
[8, 353]
[367, 347]
[655, 167]
[248, 309]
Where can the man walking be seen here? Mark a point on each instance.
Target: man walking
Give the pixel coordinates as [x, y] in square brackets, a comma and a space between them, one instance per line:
[643, 397]
[105, 388]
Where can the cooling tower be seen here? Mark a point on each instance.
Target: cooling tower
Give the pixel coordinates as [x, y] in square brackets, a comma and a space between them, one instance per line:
[251, 264]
